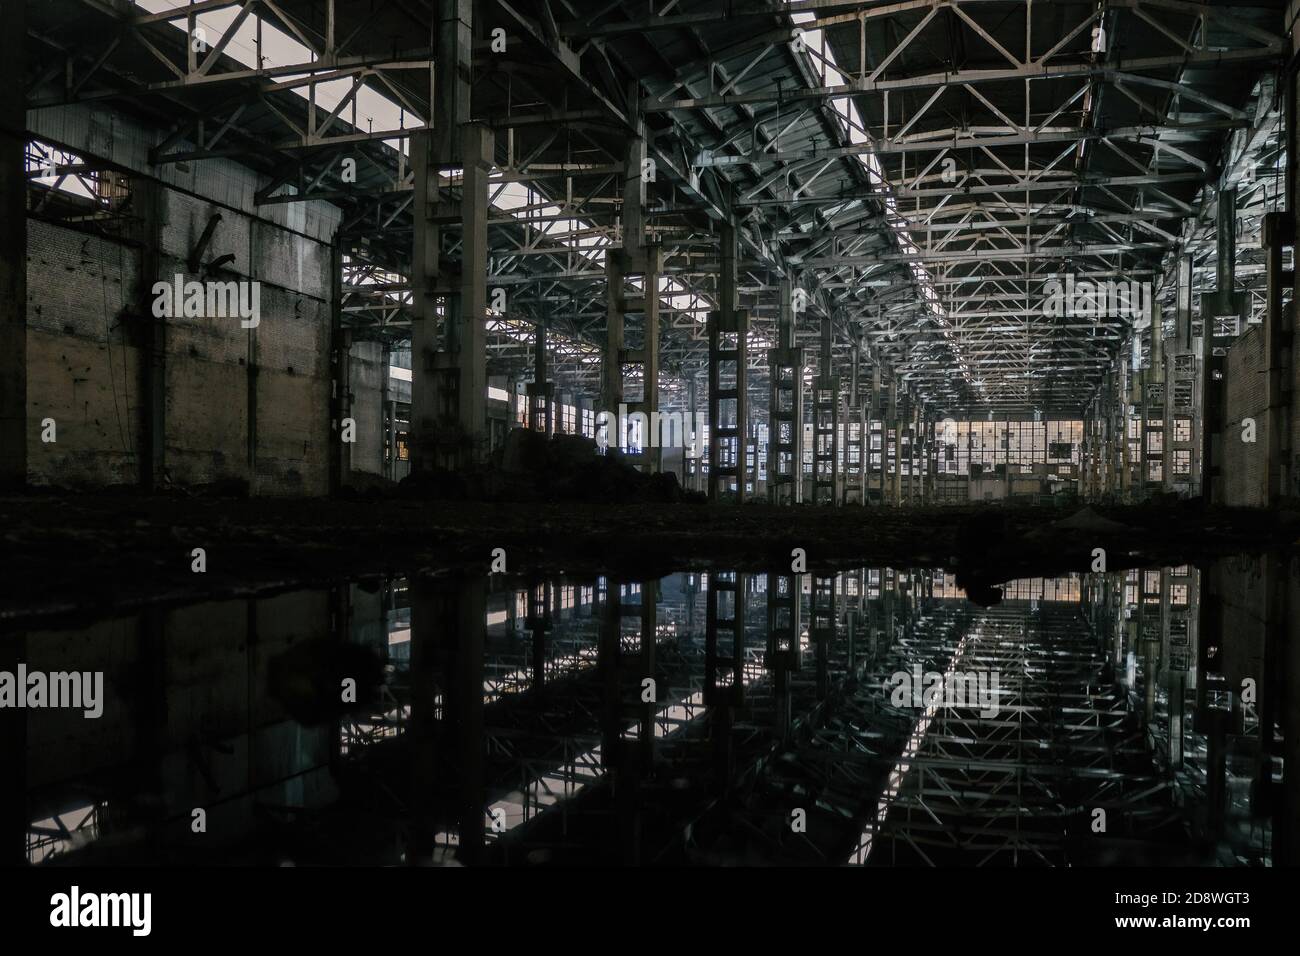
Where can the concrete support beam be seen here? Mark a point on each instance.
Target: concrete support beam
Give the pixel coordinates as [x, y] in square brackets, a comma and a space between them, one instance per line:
[694, 454]
[425, 264]
[146, 200]
[449, 375]
[728, 351]
[877, 474]
[826, 420]
[340, 457]
[449, 384]
[855, 437]
[1279, 330]
[455, 45]
[634, 196]
[893, 421]
[13, 250]
[1182, 393]
[541, 391]
[1222, 312]
[650, 457]
[467, 333]
[785, 409]
[611, 366]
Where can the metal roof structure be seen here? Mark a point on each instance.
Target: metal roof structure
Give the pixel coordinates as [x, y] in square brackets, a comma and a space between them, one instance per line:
[923, 169]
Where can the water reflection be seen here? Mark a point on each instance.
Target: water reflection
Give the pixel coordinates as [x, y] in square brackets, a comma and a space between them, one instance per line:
[870, 717]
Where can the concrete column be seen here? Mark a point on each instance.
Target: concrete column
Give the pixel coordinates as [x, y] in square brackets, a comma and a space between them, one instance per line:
[618, 264]
[650, 259]
[727, 321]
[391, 463]
[541, 391]
[1183, 302]
[146, 202]
[826, 418]
[634, 196]
[1279, 233]
[340, 458]
[691, 470]
[455, 45]
[876, 482]
[1224, 300]
[611, 367]
[425, 264]
[785, 407]
[894, 421]
[649, 356]
[448, 388]
[13, 250]
[855, 434]
[467, 333]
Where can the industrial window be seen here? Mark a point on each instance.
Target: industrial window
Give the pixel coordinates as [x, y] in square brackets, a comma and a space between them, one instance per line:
[1182, 463]
[1226, 326]
[1182, 430]
[51, 168]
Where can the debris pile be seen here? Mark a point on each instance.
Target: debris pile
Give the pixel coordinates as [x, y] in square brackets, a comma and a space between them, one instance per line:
[532, 467]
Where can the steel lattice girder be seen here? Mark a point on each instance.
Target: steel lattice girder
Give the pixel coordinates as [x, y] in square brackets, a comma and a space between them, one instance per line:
[1095, 160]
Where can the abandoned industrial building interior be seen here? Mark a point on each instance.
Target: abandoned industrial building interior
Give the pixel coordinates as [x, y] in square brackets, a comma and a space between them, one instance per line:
[709, 433]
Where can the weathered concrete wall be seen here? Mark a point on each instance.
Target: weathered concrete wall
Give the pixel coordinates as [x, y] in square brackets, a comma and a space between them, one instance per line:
[83, 361]
[243, 406]
[367, 374]
[1245, 471]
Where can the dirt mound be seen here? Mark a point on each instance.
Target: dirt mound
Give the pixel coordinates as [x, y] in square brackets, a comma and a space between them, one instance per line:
[532, 467]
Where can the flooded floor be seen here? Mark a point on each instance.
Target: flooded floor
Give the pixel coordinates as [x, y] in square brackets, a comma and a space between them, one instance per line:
[873, 717]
